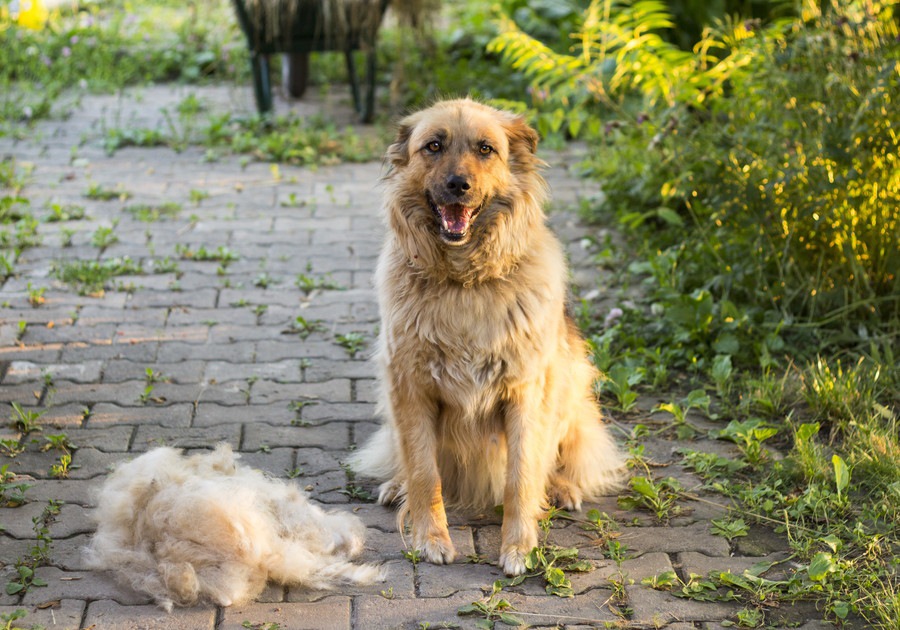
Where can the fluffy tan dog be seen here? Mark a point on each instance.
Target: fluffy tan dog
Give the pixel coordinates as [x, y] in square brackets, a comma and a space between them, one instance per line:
[486, 387]
[187, 529]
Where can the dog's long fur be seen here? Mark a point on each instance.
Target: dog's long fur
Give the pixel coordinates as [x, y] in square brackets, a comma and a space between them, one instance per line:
[486, 387]
[203, 528]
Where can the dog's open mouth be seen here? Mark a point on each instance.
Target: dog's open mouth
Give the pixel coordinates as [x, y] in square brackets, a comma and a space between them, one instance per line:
[455, 220]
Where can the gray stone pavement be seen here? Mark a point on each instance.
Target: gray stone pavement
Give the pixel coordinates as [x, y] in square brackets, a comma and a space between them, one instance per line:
[228, 363]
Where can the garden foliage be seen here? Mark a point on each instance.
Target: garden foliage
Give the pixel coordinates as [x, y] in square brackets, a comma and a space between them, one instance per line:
[757, 177]
[769, 153]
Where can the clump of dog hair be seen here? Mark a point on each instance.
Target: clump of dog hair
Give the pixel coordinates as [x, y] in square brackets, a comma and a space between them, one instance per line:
[204, 528]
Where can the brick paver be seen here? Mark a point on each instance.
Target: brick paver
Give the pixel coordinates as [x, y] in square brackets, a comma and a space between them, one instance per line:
[226, 363]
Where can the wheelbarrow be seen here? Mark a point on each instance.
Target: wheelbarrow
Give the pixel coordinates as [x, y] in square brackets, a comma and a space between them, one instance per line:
[297, 28]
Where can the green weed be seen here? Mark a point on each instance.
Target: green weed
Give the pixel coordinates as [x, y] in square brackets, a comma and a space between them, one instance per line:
[65, 212]
[103, 237]
[660, 497]
[150, 213]
[221, 254]
[25, 421]
[305, 327]
[352, 342]
[91, 277]
[98, 192]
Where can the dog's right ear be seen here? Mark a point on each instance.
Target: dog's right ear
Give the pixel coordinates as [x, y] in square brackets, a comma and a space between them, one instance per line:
[398, 152]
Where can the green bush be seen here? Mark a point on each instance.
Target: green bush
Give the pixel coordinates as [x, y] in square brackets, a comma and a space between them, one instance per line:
[769, 154]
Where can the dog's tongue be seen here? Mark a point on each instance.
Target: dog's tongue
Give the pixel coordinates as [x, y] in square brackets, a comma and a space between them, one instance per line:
[455, 218]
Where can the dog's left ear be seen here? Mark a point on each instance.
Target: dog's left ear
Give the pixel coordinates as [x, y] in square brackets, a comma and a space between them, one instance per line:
[523, 140]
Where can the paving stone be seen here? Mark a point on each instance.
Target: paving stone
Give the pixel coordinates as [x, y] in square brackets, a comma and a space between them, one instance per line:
[66, 416]
[118, 370]
[83, 585]
[689, 538]
[209, 414]
[126, 393]
[68, 490]
[315, 460]
[331, 436]
[399, 583]
[701, 564]
[275, 462]
[63, 615]
[331, 613]
[78, 351]
[173, 351]
[286, 371]
[27, 371]
[339, 411]
[172, 415]
[149, 436]
[89, 463]
[375, 611]
[68, 553]
[263, 392]
[113, 615]
[325, 369]
[436, 581]
[658, 607]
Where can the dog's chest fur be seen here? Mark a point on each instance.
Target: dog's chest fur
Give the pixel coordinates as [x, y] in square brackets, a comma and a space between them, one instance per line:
[469, 343]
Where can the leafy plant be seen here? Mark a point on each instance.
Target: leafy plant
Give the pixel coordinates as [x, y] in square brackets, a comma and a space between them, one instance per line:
[221, 254]
[264, 280]
[352, 342]
[728, 528]
[749, 436]
[59, 442]
[308, 283]
[150, 213]
[305, 327]
[98, 192]
[25, 420]
[103, 237]
[12, 491]
[24, 580]
[619, 382]
[61, 469]
[65, 212]
[36, 295]
[492, 608]
[660, 497]
[90, 277]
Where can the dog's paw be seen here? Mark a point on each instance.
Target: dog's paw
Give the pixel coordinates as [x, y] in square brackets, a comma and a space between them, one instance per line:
[390, 492]
[564, 494]
[512, 561]
[437, 549]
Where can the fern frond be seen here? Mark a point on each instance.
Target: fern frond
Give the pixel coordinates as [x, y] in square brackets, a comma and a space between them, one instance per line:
[544, 66]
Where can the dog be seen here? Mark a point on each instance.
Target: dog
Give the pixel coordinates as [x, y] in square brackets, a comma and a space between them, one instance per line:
[486, 388]
[203, 528]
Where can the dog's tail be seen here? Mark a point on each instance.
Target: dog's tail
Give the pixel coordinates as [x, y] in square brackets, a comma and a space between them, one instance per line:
[379, 458]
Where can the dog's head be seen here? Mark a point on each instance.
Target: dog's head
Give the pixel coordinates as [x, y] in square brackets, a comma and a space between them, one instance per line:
[461, 161]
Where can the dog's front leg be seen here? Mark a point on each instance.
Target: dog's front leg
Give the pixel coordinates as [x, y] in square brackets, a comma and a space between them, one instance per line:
[530, 456]
[415, 414]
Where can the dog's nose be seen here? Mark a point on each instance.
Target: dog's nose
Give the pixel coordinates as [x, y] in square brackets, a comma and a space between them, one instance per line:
[458, 185]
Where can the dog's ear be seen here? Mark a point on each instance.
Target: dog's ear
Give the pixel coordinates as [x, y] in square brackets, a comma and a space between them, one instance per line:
[398, 152]
[523, 141]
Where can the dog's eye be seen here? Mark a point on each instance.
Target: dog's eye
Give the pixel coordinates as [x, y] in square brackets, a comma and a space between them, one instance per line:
[485, 149]
[433, 147]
